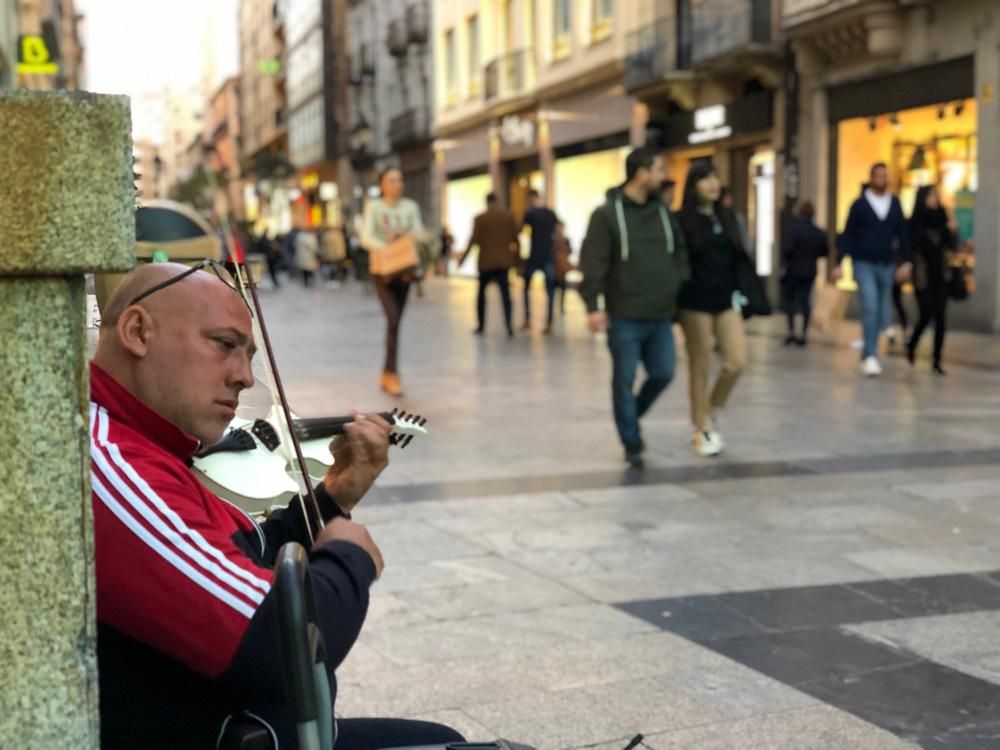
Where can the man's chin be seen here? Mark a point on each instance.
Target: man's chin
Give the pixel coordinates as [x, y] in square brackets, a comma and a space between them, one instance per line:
[211, 436]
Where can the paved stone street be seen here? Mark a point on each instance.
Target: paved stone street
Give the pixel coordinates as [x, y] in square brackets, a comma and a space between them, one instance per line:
[832, 582]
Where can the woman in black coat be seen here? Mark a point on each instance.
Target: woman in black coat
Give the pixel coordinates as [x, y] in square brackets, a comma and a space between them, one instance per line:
[710, 303]
[932, 240]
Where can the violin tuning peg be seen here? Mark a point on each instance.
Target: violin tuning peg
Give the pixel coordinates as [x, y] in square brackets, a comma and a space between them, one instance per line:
[422, 421]
[406, 442]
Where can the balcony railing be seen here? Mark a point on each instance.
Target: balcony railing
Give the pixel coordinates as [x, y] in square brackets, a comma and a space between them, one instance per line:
[721, 27]
[409, 128]
[509, 75]
[651, 53]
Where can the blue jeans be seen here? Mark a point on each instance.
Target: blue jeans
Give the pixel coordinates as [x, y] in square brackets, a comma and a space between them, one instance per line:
[875, 293]
[652, 342]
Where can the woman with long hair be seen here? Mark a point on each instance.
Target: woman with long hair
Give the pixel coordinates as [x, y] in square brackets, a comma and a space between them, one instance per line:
[710, 303]
[387, 219]
[932, 239]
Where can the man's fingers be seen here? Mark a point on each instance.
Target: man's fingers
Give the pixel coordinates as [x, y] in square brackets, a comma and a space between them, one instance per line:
[381, 422]
[369, 426]
[368, 435]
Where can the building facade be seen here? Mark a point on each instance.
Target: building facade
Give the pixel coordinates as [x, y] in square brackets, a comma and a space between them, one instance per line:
[913, 84]
[222, 132]
[52, 57]
[147, 167]
[392, 85]
[712, 73]
[264, 113]
[529, 95]
[184, 118]
[316, 64]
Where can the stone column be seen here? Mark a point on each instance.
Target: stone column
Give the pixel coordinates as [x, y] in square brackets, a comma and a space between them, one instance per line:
[66, 208]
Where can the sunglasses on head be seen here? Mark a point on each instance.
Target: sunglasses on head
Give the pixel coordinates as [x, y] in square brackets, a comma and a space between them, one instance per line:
[218, 268]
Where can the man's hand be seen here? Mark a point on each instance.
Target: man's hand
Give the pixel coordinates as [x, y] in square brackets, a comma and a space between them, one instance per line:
[903, 273]
[597, 322]
[340, 529]
[836, 274]
[359, 456]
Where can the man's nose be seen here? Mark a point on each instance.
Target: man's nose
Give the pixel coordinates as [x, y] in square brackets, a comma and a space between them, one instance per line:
[244, 373]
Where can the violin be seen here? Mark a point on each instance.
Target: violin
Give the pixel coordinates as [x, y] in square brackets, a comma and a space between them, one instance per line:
[247, 466]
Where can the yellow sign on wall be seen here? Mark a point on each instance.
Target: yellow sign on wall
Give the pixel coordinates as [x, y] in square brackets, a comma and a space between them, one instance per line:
[34, 57]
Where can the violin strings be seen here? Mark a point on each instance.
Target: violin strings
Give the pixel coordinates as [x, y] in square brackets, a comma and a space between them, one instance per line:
[270, 366]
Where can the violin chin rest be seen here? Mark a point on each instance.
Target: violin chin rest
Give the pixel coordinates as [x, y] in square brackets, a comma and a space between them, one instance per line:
[236, 440]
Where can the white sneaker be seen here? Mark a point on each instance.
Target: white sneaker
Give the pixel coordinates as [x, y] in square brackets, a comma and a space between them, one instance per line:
[715, 431]
[871, 367]
[705, 445]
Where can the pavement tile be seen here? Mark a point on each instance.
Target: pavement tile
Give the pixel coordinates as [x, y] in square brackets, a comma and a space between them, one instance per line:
[927, 561]
[810, 728]
[524, 592]
[580, 717]
[947, 639]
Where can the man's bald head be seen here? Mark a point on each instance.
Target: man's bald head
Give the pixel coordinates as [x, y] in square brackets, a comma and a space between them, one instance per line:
[183, 349]
[144, 278]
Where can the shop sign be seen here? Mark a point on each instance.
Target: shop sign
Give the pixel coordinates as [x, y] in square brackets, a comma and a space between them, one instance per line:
[517, 132]
[751, 113]
[34, 56]
[269, 67]
[710, 125]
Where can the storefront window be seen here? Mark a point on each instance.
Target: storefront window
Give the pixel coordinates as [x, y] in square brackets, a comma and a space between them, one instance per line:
[933, 145]
[582, 183]
[465, 199]
[761, 210]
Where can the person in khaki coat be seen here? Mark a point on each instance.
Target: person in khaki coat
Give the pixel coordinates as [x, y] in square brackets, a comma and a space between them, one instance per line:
[495, 233]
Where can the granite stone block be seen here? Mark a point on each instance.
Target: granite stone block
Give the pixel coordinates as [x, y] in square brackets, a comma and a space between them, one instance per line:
[67, 198]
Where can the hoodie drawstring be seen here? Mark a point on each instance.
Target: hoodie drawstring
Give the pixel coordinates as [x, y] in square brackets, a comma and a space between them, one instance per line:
[623, 229]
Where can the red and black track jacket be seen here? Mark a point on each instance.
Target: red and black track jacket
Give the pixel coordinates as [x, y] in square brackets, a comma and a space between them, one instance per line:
[187, 624]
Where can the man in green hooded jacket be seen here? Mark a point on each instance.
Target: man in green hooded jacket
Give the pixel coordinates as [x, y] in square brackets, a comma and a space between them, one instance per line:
[635, 260]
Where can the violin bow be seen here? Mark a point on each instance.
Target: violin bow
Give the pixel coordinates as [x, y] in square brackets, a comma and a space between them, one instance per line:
[263, 342]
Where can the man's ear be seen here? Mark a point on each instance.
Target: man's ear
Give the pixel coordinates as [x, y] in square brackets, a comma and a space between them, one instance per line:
[133, 329]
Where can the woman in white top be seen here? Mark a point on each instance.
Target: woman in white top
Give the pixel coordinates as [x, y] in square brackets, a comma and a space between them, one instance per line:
[387, 219]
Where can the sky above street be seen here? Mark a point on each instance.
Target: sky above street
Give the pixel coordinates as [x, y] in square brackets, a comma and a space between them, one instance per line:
[136, 47]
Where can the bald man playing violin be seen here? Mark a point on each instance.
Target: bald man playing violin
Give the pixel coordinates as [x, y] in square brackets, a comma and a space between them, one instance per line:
[187, 623]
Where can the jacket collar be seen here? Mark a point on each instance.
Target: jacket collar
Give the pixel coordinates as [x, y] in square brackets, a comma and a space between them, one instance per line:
[125, 408]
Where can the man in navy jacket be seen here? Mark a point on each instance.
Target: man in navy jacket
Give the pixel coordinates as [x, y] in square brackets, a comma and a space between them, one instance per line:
[878, 240]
